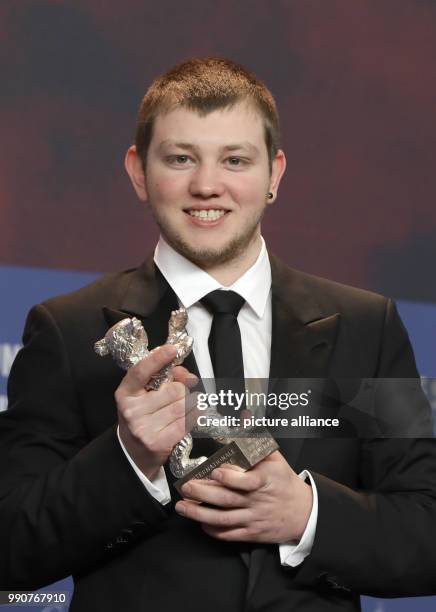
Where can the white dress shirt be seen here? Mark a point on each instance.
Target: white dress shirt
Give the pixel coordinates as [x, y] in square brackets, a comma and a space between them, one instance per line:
[190, 284]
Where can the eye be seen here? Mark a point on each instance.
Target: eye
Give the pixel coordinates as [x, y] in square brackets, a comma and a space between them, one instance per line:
[181, 159]
[178, 160]
[237, 162]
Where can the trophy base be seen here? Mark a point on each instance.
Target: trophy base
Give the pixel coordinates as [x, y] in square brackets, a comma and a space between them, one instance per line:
[244, 452]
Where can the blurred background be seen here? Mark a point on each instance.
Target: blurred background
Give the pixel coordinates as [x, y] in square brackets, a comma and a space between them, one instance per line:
[355, 86]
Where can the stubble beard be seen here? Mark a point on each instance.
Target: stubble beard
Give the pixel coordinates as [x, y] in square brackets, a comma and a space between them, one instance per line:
[208, 258]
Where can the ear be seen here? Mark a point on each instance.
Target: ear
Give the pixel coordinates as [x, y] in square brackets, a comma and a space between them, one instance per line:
[133, 165]
[278, 168]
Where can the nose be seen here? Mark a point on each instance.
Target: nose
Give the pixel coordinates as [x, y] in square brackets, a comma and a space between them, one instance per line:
[206, 182]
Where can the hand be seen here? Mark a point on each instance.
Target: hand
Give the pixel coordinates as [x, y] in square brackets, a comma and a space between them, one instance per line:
[151, 423]
[268, 503]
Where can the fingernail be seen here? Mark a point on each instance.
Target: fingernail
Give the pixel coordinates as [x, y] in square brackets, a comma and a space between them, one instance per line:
[170, 351]
[180, 508]
[217, 475]
[187, 489]
[192, 381]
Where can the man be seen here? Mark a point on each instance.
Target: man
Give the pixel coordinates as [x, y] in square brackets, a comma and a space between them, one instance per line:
[87, 491]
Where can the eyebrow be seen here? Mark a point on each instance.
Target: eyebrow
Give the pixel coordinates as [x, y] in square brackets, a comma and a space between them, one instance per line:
[186, 146]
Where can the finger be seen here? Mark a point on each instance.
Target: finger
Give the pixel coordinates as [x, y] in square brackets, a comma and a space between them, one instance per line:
[183, 410]
[183, 375]
[232, 466]
[180, 409]
[240, 481]
[213, 516]
[192, 402]
[140, 374]
[275, 457]
[135, 408]
[168, 415]
[215, 496]
[192, 411]
[240, 534]
[245, 414]
[170, 435]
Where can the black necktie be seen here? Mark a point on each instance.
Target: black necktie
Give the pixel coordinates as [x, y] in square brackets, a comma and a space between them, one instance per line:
[225, 350]
[225, 343]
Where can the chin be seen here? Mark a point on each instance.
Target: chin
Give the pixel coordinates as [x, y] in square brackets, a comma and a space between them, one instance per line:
[207, 256]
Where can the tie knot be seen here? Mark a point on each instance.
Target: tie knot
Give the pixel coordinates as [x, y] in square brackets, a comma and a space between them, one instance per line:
[223, 302]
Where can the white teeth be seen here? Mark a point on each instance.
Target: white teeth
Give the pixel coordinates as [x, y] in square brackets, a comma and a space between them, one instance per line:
[207, 215]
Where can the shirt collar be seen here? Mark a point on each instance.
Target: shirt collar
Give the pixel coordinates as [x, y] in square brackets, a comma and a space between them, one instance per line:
[191, 283]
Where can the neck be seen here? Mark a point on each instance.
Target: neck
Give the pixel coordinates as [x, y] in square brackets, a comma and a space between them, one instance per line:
[228, 273]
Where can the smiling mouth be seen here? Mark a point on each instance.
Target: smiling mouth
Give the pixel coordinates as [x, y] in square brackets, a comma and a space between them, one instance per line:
[210, 214]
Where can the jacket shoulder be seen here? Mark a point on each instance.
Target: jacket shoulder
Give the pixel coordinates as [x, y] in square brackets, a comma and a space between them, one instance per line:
[331, 296]
[79, 314]
[340, 293]
[106, 290]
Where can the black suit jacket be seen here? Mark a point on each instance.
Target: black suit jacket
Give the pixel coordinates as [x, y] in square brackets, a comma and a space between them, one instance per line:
[70, 503]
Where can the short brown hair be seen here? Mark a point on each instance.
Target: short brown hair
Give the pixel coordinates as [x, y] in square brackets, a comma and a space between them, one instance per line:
[204, 85]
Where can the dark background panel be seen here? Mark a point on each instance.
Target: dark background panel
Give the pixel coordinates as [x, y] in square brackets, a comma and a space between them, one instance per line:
[356, 89]
[355, 85]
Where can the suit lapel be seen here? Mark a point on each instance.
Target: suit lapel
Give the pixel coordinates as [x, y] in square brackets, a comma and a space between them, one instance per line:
[149, 298]
[302, 341]
[303, 336]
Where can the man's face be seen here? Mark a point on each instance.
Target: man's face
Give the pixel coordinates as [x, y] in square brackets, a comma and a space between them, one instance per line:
[206, 180]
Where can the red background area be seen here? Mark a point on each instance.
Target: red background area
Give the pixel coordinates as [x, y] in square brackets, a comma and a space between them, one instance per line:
[356, 89]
